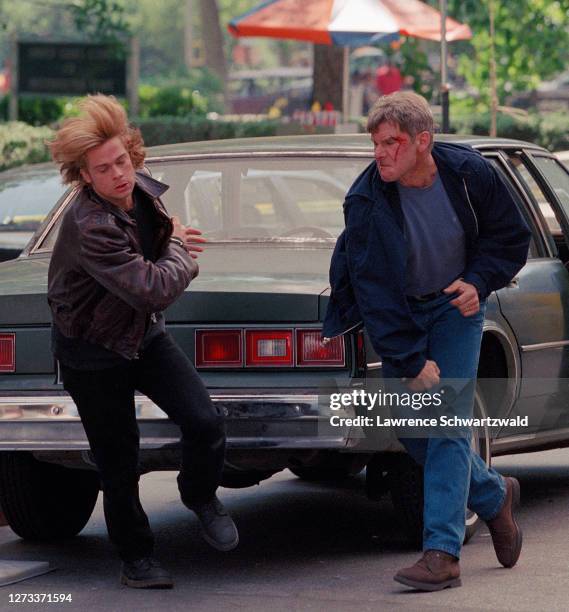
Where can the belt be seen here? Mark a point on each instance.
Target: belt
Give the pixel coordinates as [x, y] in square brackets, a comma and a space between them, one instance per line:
[427, 296]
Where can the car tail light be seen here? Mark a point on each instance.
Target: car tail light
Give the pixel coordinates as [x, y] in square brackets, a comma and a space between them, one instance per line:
[268, 347]
[311, 352]
[7, 352]
[218, 348]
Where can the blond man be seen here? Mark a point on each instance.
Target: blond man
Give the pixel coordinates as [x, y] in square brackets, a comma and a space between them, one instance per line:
[118, 262]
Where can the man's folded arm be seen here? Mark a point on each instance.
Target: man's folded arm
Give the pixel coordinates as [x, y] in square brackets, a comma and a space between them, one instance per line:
[106, 254]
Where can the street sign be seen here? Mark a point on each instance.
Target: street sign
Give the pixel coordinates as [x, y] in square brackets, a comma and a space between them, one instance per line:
[72, 69]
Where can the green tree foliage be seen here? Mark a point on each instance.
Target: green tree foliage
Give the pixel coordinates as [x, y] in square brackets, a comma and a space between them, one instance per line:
[101, 20]
[532, 43]
[160, 29]
[415, 65]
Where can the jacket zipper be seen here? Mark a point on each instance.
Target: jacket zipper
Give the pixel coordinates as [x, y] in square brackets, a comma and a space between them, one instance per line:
[471, 207]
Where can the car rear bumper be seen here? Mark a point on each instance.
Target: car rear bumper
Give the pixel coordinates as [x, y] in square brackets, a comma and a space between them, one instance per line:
[254, 421]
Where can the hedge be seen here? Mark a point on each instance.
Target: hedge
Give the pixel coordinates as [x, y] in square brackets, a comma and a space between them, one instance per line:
[166, 130]
[22, 144]
[548, 130]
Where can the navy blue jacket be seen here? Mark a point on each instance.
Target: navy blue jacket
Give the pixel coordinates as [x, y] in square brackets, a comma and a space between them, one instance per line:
[368, 267]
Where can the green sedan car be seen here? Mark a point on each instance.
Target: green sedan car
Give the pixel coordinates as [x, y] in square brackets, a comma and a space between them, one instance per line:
[251, 322]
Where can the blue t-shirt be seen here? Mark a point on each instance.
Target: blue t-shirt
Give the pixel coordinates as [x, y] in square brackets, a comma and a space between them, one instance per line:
[435, 238]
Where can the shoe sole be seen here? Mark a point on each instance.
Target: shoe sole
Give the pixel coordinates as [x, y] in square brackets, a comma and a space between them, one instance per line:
[146, 584]
[222, 547]
[425, 586]
[519, 539]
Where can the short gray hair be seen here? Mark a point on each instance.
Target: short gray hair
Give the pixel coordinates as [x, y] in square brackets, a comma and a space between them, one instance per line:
[410, 111]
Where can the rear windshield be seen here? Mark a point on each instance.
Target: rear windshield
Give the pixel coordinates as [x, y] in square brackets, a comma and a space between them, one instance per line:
[286, 199]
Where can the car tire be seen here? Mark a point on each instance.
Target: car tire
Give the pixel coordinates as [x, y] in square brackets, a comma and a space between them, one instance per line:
[241, 479]
[45, 501]
[406, 484]
[321, 474]
[329, 467]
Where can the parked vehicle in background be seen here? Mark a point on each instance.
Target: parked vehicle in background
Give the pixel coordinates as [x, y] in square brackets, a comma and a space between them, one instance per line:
[251, 323]
[547, 96]
[256, 91]
[26, 196]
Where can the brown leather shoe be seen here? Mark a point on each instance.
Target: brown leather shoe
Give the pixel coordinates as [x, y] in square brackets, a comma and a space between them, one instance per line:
[435, 570]
[506, 533]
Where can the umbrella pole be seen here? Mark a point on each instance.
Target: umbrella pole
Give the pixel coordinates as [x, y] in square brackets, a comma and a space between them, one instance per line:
[444, 77]
[346, 86]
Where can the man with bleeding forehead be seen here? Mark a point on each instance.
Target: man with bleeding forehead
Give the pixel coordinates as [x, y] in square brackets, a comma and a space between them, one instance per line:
[431, 231]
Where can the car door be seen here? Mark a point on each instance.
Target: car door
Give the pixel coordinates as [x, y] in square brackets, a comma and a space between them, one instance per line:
[536, 302]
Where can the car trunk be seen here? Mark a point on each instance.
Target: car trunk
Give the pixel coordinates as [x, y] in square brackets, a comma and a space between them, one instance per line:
[240, 285]
[257, 283]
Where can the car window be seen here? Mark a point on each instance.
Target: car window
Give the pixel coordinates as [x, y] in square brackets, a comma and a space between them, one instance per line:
[494, 160]
[557, 177]
[251, 199]
[539, 196]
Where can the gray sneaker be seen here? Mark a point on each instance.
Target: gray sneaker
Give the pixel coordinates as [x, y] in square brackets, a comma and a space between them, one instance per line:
[218, 528]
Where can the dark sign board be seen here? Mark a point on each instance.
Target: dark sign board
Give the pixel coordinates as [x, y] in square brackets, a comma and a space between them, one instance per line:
[73, 69]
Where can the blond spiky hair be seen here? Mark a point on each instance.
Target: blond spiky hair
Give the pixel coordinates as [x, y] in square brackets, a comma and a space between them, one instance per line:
[101, 118]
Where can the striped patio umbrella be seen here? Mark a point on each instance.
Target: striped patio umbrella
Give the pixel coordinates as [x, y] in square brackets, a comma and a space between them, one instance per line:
[350, 23]
[346, 22]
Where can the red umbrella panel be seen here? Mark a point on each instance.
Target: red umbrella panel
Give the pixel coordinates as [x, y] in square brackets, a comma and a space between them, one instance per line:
[346, 22]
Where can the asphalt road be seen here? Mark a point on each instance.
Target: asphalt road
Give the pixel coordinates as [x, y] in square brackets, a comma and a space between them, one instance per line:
[309, 547]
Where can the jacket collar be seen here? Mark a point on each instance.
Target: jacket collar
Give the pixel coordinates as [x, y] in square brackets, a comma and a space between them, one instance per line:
[149, 186]
[454, 157]
[449, 157]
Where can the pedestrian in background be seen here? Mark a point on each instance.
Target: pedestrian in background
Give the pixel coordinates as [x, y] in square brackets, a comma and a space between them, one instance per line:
[388, 79]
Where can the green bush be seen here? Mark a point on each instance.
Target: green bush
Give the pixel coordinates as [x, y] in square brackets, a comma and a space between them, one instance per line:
[166, 130]
[172, 100]
[508, 126]
[35, 110]
[23, 144]
[554, 132]
[202, 80]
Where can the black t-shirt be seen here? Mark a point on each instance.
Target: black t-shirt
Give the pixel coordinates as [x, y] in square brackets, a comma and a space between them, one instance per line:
[82, 355]
[144, 217]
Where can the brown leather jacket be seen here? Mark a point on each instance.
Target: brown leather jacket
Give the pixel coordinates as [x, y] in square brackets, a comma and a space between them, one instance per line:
[100, 287]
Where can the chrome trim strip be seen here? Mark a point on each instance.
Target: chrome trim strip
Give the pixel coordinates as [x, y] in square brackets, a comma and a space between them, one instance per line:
[260, 155]
[62, 408]
[528, 348]
[376, 365]
[541, 437]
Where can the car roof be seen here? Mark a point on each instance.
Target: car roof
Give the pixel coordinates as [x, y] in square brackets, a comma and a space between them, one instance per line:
[330, 143]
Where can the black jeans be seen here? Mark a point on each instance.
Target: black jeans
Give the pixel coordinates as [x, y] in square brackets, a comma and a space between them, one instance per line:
[105, 401]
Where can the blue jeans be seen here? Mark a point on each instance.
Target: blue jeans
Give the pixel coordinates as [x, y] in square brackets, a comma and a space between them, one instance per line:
[454, 476]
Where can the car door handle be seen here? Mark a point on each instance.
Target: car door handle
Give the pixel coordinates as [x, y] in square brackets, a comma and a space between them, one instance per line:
[514, 283]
